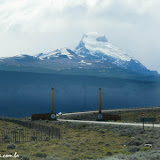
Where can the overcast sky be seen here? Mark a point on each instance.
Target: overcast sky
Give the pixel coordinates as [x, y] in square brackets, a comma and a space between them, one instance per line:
[34, 26]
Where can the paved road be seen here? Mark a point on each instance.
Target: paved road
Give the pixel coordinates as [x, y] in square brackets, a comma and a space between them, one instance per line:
[114, 123]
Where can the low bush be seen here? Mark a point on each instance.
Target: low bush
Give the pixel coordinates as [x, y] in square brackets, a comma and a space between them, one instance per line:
[150, 155]
[134, 149]
[11, 146]
[145, 149]
[135, 143]
[41, 155]
[52, 158]
[25, 158]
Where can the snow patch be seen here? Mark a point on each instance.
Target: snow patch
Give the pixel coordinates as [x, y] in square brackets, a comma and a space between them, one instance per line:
[97, 43]
[55, 54]
[83, 62]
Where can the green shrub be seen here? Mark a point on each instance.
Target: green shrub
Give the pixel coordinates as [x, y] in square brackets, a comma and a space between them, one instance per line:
[135, 143]
[25, 158]
[150, 155]
[41, 154]
[82, 126]
[11, 146]
[109, 154]
[145, 149]
[52, 158]
[134, 149]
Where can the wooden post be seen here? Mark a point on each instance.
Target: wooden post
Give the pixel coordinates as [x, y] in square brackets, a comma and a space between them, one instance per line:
[99, 100]
[52, 132]
[15, 137]
[52, 99]
[59, 133]
[49, 133]
[19, 137]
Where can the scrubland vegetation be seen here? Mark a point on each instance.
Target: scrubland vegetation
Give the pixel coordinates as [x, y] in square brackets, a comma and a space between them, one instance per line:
[89, 141]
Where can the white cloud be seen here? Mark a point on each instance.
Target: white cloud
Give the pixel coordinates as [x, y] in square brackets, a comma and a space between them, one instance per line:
[40, 26]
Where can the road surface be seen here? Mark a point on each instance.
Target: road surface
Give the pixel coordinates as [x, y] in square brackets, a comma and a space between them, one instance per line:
[114, 123]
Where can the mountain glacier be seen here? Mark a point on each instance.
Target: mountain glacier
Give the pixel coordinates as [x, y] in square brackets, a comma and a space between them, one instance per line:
[95, 46]
[94, 52]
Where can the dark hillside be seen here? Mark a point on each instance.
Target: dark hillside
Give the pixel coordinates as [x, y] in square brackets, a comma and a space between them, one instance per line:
[22, 94]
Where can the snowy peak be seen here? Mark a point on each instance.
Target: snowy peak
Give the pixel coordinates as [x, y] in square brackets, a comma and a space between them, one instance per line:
[93, 52]
[97, 45]
[94, 37]
[23, 56]
[59, 53]
[20, 58]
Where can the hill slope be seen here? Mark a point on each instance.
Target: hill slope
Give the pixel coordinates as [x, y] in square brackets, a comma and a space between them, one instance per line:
[23, 94]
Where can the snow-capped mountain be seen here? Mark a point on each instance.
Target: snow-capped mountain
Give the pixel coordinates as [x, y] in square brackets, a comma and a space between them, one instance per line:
[59, 53]
[19, 58]
[94, 54]
[95, 46]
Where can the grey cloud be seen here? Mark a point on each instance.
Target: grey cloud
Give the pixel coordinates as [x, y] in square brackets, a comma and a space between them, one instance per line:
[42, 26]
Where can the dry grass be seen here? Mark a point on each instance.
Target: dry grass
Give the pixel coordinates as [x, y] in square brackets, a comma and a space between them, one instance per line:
[135, 116]
[75, 143]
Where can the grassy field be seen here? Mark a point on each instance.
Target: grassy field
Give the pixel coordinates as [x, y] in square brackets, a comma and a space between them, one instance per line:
[136, 115]
[78, 142]
[89, 141]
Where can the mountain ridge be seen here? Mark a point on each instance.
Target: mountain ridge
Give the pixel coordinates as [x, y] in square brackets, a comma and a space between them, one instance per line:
[94, 52]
